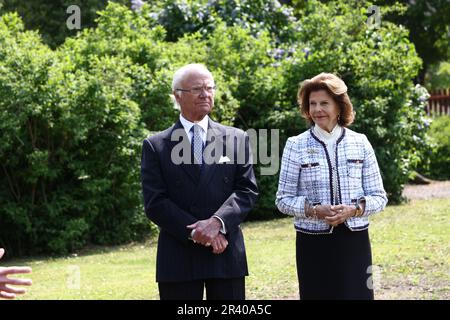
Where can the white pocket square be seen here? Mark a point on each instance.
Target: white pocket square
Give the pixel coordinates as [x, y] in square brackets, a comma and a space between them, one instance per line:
[224, 159]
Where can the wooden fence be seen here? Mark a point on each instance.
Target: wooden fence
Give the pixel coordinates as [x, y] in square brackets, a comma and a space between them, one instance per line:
[439, 103]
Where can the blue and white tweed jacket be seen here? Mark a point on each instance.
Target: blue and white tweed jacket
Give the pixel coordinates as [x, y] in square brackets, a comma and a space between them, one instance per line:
[306, 175]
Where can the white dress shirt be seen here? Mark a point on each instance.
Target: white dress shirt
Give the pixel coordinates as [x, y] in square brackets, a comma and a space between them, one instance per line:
[187, 125]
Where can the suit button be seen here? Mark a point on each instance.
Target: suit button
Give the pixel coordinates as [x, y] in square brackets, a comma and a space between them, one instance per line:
[225, 179]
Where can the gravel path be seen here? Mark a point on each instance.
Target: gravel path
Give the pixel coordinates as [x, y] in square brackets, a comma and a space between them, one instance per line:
[436, 189]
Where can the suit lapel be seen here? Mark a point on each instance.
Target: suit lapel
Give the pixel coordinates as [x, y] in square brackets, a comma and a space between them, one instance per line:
[178, 131]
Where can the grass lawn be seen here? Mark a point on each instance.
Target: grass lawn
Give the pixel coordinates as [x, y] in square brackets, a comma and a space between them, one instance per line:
[410, 243]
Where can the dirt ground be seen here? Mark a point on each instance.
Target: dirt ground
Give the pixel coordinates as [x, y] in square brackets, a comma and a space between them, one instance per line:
[436, 189]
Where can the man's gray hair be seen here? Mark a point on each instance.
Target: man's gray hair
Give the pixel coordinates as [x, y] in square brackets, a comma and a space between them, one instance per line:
[182, 73]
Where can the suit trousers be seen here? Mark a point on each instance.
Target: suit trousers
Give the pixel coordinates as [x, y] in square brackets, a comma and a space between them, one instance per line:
[216, 289]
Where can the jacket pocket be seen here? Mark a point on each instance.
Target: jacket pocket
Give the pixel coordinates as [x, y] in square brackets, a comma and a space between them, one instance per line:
[354, 168]
[310, 175]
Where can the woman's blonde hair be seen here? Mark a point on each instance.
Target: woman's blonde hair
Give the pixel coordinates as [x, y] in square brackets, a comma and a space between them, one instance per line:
[335, 87]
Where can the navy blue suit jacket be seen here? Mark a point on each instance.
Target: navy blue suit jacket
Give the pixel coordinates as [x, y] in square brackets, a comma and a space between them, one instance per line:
[176, 195]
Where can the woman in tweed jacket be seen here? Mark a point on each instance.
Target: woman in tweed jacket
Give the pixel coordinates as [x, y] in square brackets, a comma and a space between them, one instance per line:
[331, 183]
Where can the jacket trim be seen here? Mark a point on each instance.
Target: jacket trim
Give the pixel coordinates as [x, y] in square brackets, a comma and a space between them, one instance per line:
[337, 164]
[357, 228]
[302, 230]
[330, 230]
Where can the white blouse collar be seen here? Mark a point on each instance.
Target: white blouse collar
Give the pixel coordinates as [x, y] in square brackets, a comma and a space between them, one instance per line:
[328, 136]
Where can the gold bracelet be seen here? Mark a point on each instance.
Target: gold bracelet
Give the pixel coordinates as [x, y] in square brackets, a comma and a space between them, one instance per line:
[315, 211]
[358, 210]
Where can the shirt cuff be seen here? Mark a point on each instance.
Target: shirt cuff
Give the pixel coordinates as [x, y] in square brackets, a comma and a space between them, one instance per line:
[222, 229]
[191, 235]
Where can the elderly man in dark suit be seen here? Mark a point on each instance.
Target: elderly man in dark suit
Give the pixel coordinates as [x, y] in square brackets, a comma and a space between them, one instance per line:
[198, 186]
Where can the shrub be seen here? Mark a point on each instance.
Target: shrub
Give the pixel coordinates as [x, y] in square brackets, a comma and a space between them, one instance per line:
[180, 17]
[438, 76]
[438, 161]
[71, 148]
[70, 157]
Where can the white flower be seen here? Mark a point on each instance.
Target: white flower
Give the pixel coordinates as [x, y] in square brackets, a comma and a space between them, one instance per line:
[136, 4]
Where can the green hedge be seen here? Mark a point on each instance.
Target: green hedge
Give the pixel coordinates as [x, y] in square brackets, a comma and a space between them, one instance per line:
[437, 161]
[71, 140]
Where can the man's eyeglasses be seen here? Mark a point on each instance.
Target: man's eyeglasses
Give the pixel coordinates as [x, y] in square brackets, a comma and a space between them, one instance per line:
[198, 90]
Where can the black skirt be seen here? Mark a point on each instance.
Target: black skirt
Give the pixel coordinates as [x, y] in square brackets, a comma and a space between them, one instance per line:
[335, 266]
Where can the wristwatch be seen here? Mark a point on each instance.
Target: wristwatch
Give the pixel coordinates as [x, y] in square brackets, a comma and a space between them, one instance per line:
[359, 211]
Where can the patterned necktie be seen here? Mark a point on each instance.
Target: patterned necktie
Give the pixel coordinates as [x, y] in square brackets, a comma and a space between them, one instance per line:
[197, 144]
